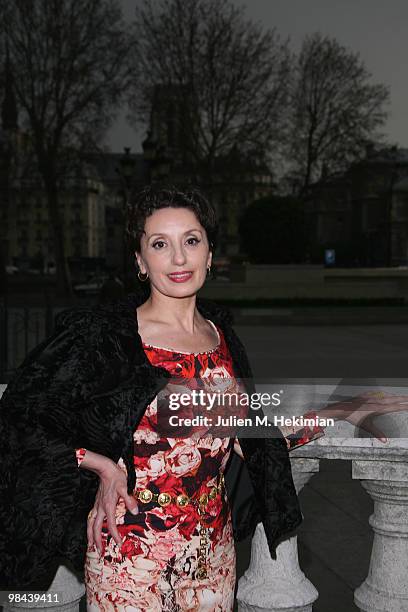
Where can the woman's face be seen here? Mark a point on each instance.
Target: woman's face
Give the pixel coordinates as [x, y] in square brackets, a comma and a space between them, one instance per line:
[174, 241]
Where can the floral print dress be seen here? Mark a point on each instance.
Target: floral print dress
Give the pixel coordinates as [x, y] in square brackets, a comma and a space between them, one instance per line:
[157, 567]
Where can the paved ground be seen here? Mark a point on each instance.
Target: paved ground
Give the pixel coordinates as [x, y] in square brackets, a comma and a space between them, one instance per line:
[374, 351]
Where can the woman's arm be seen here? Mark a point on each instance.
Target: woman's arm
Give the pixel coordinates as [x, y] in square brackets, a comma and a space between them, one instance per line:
[359, 411]
[95, 462]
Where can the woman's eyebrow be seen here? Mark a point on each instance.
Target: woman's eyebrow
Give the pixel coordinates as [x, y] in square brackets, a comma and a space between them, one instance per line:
[194, 229]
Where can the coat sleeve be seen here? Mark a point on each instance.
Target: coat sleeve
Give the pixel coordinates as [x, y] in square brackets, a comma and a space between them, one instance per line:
[260, 487]
[40, 413]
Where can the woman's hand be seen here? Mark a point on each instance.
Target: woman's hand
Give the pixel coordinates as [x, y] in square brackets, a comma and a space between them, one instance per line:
[113, 484]
[361, 410]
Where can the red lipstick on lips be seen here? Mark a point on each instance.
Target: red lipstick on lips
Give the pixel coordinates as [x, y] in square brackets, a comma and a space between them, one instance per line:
[180, 277]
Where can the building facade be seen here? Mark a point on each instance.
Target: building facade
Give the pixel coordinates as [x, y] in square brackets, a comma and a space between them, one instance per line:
[363, 213]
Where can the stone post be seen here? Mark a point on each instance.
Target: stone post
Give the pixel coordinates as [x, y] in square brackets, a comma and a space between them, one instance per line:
[271, 585]
[386, 587]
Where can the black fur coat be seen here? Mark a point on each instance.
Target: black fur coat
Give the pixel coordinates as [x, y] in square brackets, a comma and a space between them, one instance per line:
[87, 386]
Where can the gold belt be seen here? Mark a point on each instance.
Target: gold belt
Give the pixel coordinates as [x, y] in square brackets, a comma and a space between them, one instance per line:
[165, 498]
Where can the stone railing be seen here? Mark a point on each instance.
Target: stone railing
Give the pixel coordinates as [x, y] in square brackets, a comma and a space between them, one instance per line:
[280, 585]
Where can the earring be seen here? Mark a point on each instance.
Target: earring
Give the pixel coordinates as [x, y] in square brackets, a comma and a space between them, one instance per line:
[142, 279]
[208, 270]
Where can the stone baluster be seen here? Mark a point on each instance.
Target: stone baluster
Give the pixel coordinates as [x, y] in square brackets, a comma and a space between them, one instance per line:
[271, 585]
[386, 587]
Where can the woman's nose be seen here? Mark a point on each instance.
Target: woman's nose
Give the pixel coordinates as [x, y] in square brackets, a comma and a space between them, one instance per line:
[179, 256]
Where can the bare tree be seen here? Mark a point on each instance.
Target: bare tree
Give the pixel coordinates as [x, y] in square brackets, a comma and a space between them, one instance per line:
[225, 78]
[336, 109]
[70, 71]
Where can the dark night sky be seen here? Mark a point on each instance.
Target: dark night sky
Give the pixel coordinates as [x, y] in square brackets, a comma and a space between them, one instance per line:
[373, 28]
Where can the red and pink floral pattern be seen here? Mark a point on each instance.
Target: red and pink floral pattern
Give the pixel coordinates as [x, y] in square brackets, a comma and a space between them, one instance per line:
[155, 568]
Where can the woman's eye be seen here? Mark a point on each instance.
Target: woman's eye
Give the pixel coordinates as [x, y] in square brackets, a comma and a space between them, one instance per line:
[156, 243]
[196, 241]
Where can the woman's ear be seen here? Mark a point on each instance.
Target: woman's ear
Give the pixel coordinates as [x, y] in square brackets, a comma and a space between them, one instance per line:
[209, 260]
[140, 263]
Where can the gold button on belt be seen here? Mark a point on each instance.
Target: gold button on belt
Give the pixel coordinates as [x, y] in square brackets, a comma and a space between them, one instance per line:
[165, 499]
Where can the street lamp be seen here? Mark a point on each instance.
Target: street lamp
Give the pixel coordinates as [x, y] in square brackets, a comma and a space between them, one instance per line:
[125, 171]
[162, 165]
[393, 180]
[149, 147]
[158, 160]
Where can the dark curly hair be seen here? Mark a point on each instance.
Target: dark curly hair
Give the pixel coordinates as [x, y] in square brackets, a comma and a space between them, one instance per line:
[155, 197]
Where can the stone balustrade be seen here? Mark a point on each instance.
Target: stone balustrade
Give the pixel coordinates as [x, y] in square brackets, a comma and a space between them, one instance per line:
[280, 585]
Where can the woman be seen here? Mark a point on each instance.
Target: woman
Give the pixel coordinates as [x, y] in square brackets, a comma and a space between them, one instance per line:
[146, 515]
[172, 555]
